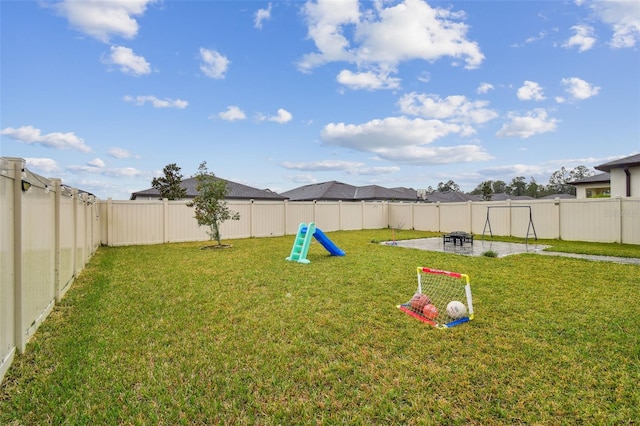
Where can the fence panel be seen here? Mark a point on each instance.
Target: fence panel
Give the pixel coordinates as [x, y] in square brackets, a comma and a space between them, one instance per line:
[401, 215]
[426, 217]
[268, 219]
[66, 241]
[590, 220]
[38, 258]
[630, 216]
[327, 216]
[455, 217]
[296, 213]
[375, 215]
[351, 216]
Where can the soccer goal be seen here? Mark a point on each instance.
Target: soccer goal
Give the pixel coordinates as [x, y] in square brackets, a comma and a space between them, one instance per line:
[443, 298]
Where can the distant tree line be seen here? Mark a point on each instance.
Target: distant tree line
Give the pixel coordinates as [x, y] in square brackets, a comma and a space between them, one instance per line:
[559, 183]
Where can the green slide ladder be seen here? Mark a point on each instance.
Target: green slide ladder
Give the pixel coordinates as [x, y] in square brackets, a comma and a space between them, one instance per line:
[301, 245]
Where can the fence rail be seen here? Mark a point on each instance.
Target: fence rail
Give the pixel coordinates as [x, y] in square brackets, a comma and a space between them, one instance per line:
[48, 232]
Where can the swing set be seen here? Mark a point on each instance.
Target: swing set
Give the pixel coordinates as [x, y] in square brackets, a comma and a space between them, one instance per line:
[530, 228]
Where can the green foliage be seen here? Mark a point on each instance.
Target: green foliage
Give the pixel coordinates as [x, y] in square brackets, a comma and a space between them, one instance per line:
[490, 253]
[170, 185]
[168, 334]
[210, 206]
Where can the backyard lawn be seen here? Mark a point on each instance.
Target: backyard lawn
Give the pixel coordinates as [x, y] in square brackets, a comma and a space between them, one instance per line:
[171, 334]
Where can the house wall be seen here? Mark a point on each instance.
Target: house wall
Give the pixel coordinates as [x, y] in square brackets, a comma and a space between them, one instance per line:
[619, 182]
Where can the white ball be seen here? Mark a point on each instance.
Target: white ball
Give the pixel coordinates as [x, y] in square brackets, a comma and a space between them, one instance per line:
[456, 309]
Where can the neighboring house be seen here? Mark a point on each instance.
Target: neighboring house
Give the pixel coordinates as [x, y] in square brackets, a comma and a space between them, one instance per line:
[338, 191]
[458, 197]
[598, 185]
[237, 191]
[624, 176]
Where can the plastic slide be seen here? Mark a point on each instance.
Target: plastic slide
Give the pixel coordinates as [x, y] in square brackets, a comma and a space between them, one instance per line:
[327, 243]
[303, 240]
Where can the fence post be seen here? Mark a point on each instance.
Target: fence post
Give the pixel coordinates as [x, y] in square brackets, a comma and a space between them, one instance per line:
[165, 220]
[57, 187]
[19, 173]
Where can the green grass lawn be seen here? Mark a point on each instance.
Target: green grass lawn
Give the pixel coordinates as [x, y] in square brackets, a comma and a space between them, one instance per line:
[171, 334]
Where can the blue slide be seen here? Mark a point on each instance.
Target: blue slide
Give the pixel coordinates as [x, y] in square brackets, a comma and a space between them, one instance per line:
[327, 243]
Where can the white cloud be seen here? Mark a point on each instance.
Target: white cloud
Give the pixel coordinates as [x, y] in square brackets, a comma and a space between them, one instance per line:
[583, 38]
[119, 153]
[484, 88]
[261, 16]
[128, 61]
[529, 91]
[96, 162]
[380, 38]
[31, 135]
[367, 80]
[322, 166]
[213, 64]
[579, 89]
[534, 122]
[98, 167]
[282, 117]
[624, 19]
[402, 139]
[156, 102]
[233, 113]
[348, 167]
[103, 19]
[43, 165]
[456, 108]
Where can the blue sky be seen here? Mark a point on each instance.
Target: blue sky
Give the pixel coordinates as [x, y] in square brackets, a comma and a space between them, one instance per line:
[280, 94]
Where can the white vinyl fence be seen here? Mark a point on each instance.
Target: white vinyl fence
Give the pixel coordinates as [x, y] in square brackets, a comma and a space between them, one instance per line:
[49, 232]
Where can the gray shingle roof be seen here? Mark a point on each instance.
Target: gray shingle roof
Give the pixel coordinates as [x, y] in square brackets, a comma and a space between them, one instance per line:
[632, 160]
[600, 177]
[335, 191]
[237, 191]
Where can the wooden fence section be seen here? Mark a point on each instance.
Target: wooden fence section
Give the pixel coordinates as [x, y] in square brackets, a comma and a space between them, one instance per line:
[48, 232]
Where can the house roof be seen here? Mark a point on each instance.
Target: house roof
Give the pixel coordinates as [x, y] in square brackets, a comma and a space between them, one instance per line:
[562, 195]
[450, 197]
[597, 178]
[630, 161]
[236, 190]
[334, 191]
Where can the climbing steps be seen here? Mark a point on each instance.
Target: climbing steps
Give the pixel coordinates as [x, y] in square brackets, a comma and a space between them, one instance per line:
[301, 244]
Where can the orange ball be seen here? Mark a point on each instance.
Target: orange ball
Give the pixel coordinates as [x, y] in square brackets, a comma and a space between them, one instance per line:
[419, 301]
[430, 311]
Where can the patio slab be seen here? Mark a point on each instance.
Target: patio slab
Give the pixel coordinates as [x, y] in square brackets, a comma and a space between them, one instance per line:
[503, 249]
[476, 249]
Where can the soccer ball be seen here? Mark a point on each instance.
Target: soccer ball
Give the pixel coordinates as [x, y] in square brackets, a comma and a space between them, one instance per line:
[456, 309]
[430, 311]
[418, 301]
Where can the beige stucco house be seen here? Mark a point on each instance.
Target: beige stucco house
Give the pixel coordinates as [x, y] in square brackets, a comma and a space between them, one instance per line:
[624, 176]
[598, 185]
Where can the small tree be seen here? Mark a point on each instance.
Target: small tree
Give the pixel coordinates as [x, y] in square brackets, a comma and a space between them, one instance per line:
[210, 205]
[487, 192]
[169, 185]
